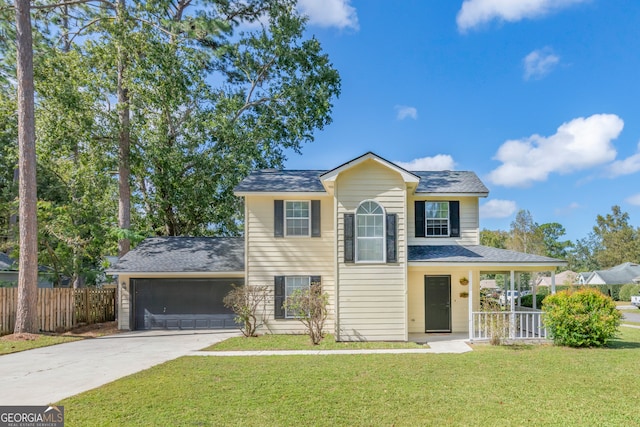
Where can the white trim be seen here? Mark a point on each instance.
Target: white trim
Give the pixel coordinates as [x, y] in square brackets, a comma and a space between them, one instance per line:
[332, 175]
[304, 194]
[178, 274]
[455, 195]
[284, 219]
[383, 238]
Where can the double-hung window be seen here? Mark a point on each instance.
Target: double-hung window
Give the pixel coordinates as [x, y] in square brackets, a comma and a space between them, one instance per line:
[292, 284]
[370, 235]
[297, 218]
[285, 287]
[437, 217]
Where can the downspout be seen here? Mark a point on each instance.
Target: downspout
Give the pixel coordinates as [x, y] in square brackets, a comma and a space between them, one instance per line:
[336, 261]
[471, 305]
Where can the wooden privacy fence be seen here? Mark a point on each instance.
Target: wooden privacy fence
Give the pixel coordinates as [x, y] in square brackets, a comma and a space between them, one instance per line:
[60, 308]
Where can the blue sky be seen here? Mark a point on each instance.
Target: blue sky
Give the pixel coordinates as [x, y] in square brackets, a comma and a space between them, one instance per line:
[538, 97]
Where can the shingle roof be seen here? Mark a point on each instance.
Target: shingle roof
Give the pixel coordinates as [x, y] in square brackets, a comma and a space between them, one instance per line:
[620, 274]
[475, 254]
[270, 180]
[183, 254]
[449, 182]
[6, 263]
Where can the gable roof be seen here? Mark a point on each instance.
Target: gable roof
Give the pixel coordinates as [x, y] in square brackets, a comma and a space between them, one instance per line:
[311, 181]
[473, 254]
[183, 254]
[624, 273]
[332, 174]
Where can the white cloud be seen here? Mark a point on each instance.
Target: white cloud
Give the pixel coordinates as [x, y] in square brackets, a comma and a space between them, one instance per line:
[476, 12]
[627, 166]
[330, 13]
[579, 144]
[566, 210]
[539, 63]
[633, 200]
[497, 208]
[439, 162]
[404, 112]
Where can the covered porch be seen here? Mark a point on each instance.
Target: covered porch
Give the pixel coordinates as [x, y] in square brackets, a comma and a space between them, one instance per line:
[484, 318]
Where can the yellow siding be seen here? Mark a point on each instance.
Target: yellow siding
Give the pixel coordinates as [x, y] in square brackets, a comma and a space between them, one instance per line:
[267, 256]
[469, 223]
[459, 305]
[371, 297]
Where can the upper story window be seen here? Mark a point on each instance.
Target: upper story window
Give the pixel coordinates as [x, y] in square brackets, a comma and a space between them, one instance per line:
[297, 218]
[370, 241]
[437, 217]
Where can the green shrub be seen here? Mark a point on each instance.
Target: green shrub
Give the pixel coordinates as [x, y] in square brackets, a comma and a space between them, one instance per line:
[585, 318]
[527, 300]
[628, 290]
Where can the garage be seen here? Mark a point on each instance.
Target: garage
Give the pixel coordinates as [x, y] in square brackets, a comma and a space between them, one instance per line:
[178, 282]
[182, 303]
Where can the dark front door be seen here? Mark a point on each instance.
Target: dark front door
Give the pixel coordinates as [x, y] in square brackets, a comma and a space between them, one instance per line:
[437, 303]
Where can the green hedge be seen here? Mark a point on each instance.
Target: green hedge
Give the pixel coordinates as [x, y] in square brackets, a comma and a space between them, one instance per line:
[626, 291]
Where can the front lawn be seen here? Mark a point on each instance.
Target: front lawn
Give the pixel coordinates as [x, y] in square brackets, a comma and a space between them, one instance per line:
[519, 385]
[8, 344]
[301, 342]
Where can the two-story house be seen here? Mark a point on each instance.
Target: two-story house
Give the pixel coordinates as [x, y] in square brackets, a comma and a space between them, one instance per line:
[397, 251]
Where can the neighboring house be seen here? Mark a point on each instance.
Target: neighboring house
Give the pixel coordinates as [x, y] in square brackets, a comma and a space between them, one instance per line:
[390, 247]
[622, 274]
[488, 284]
[9, 273]
[567, 277]
[583, 277]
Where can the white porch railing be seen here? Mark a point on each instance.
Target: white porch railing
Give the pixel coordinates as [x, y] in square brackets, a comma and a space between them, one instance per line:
[512, 325]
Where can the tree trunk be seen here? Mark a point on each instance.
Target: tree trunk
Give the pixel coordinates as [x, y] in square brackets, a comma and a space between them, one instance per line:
[124, 146]
[26, 313]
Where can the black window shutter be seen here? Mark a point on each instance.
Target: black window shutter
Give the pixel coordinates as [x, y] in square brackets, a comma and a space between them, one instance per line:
[278, 218]
[420, 218]
[392, 241]
[279, 297]
[348, 238]
[454, 218]
[315, 218]
[316, 280]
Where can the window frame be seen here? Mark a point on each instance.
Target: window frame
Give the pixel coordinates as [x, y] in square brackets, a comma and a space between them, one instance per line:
[427, 218]
[382, 238]
[308, 218]
[287, 315]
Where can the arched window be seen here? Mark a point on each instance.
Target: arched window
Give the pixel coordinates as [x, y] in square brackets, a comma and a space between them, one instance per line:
[370, 232]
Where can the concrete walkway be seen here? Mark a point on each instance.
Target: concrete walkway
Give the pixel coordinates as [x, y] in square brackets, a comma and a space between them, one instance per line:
[48, 374]
[452, 346]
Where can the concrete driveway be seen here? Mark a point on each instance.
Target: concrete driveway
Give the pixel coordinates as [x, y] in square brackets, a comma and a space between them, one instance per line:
[49, 374]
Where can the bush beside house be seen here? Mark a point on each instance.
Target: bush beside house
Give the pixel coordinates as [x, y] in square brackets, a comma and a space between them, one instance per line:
[585, 318]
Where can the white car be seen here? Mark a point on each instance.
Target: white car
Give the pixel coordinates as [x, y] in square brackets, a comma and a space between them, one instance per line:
[508, 296]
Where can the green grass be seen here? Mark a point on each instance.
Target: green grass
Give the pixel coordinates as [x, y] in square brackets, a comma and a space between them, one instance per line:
[504, 386]
[7, 347]
[301, 342]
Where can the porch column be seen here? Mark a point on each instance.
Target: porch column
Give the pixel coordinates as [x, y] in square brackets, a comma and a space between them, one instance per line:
[512, 279]
[553, 282]
[470, 276]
